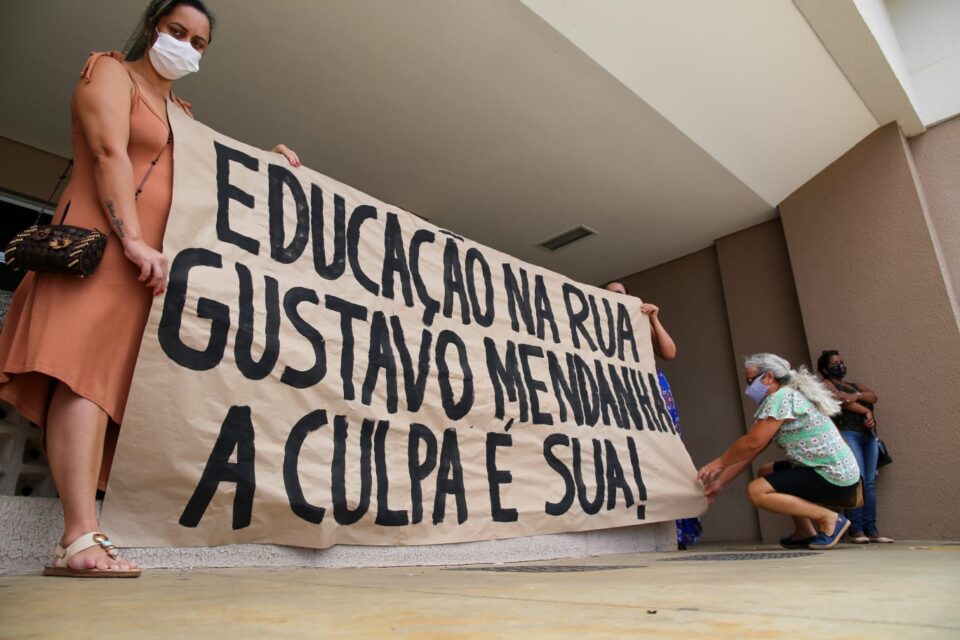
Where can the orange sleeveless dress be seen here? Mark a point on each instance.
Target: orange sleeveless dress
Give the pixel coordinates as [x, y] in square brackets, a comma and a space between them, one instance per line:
[86, 333]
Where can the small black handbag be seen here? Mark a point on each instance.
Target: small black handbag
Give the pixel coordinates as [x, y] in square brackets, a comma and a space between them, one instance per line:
[56, 248]
[61, 248]
[883, 454]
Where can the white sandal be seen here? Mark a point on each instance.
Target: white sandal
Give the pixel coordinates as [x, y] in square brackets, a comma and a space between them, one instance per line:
[61, 558]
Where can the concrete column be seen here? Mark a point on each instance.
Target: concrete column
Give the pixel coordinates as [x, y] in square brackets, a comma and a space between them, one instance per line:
[704, 382]
[764, 316]
[871, 281]
[936, 156]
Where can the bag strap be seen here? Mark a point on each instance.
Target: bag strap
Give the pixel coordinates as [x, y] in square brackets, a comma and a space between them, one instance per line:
[143, 181]
[153, 164]
[63, 176]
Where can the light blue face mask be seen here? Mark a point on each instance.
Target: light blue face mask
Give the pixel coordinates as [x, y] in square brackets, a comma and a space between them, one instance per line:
[757, 391]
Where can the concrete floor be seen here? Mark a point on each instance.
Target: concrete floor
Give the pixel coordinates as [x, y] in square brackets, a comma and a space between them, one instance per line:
[905, 590]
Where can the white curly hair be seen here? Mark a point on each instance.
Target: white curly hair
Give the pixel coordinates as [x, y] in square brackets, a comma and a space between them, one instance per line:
[802, 380]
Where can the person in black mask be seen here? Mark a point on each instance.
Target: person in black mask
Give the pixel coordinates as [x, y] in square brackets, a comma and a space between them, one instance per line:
[857, 426]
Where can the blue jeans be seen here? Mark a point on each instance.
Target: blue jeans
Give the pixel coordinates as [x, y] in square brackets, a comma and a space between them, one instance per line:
[864, 447]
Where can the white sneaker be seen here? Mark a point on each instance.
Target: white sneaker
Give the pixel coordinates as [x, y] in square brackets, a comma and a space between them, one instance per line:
[879, 538]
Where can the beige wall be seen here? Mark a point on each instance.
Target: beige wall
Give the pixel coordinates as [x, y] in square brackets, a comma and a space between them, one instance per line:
[764, 316]
[703, 378]
[27, 171]
[870, 284]
[936, 156]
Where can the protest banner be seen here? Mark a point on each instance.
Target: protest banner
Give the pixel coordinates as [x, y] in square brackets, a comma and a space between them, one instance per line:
[326, 368]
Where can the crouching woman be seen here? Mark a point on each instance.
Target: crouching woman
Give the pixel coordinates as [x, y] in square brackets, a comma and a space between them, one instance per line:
[820, 468]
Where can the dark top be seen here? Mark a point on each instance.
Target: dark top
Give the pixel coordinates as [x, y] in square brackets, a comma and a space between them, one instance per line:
[848, 420]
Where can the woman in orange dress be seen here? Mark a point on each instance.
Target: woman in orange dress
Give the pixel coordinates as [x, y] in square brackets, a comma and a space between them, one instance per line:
[69, 346]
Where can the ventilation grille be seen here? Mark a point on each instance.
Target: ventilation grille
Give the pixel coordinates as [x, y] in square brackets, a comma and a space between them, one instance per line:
[548, 568]
[568, 237]
[727, 557]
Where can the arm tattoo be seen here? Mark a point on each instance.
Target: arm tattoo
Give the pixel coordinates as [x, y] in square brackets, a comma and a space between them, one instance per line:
[117, 222]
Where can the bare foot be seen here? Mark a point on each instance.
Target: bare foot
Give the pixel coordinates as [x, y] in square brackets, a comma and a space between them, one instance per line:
[97, 558]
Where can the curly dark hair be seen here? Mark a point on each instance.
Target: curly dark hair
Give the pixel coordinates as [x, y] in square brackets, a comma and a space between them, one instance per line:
[824, 360]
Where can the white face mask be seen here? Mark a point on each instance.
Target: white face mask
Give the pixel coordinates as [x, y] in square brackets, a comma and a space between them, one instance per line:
[173, 58]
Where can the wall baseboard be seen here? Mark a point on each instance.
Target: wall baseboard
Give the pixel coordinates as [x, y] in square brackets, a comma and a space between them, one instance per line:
[29, 528]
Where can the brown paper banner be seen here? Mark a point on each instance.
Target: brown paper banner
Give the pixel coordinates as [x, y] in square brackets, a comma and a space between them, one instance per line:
[326, 368]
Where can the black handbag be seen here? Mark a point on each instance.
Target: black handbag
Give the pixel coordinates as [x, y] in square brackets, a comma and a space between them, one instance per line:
[883, 454]
[56, 248]
[61, 248]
